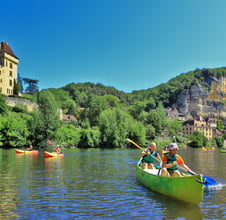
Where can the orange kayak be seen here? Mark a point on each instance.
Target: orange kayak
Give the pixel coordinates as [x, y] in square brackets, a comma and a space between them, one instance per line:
[53, 154]
[26, 151]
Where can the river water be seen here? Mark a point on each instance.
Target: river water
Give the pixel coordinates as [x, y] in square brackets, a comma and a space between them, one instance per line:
[100, 184]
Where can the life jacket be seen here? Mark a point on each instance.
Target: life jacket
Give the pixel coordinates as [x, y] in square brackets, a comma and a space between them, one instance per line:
[170, 160]
[149, 158]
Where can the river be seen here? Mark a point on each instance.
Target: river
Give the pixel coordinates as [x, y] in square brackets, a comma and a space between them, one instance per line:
[100, 184]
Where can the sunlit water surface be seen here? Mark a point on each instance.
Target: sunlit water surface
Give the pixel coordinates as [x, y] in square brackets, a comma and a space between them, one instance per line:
[100, 184]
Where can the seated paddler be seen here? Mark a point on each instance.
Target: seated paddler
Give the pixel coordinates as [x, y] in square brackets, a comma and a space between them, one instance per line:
[172, 161]
[149, 155]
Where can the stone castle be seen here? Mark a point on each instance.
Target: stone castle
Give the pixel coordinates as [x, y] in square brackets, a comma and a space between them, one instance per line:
[218, 89]
[8, 69]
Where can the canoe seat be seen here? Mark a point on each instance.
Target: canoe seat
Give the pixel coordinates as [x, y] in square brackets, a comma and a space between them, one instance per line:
[152, 171]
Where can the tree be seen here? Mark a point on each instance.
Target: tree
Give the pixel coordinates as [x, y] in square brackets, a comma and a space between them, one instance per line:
[16, 87]
[219, 141]
[137, 108]
[154, 118]
[197, 139]
[116, 125]
[45, 121]
[68, 135]
[13, 130]
[220, 125]
[96, 106]
[173, 126]
[32, 85]
[20, 82]
[90, 137]
[3, 107]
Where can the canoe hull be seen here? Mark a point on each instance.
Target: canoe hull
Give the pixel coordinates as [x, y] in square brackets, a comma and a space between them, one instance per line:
[223, 151]
[183, 188]
[48, 154]
[26, 151]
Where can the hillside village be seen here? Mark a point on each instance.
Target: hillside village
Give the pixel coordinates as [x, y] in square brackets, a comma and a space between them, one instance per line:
[203, 123]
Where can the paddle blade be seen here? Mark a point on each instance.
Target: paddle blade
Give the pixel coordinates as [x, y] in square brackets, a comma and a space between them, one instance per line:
[209, 181]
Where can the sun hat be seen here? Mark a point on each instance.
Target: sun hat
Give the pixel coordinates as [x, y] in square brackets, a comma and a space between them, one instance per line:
[172, 146]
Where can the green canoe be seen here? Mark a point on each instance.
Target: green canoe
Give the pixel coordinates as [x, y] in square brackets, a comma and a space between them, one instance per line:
[187, 188]
[223, 150]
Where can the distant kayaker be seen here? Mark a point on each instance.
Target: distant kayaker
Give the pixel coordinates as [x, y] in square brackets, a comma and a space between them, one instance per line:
[30, 148]
[171, 162]
[57, 149]
[148, 156]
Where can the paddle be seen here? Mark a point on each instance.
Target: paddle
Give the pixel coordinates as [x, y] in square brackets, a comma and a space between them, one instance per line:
[208, 181]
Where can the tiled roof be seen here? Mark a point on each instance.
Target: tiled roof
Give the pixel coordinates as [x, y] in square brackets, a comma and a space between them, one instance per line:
[4, 47]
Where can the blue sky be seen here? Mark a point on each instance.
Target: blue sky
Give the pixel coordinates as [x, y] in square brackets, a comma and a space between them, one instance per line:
[127, 44]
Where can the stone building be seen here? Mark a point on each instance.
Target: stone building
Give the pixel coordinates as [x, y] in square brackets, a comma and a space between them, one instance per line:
[8, 69]
[189, 126]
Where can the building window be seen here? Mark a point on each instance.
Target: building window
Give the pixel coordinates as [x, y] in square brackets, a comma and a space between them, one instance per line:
[10, 73]
[10, 82]
[10, 65]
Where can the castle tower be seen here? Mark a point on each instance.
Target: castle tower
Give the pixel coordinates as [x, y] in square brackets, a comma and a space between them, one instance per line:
[223, 83]
[8, 69]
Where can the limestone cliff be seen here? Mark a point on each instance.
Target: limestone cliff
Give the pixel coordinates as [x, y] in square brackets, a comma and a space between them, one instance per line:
[195, 101]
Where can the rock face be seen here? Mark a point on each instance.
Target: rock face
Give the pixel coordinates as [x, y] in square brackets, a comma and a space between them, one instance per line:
[194, 101]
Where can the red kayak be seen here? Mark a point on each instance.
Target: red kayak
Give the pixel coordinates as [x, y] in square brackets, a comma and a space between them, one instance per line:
[26, 151]
[53, 154]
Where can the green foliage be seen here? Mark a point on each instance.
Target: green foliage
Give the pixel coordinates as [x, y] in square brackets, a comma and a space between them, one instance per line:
[224, 136]
[197, 139]
[167, 93]
[32, 98]
[19, 107]
[32, 85]
[105, 116]
[155, 119]
[16, 88]
[89, 138]
[3, 107]
[219, 141]
[150, 132]
[13, 130]
[136, 131]
[64, 101]
[68, 135]
[97, 105]
[179, 139]
[45, 122]
[220, 125]
[173, 126]
[137, 109]
[82, 93]
[116, 125]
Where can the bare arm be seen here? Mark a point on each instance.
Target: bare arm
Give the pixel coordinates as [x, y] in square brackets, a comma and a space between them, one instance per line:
[187, 168]
[144, 152]
[158, 157]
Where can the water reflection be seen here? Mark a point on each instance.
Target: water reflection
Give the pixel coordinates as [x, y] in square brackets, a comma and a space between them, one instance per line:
[99, 184]
[169, 208]
[8, 187]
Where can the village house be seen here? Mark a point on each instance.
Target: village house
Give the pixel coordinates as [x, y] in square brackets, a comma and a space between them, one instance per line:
[207, 128]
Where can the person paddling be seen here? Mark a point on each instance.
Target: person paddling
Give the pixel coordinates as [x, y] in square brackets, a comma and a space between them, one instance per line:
[30, 148]
[148, 156]
[172, 161]
[57, 149]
